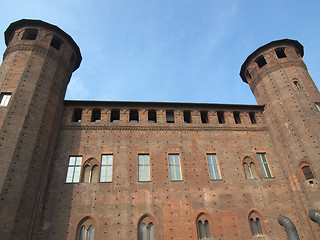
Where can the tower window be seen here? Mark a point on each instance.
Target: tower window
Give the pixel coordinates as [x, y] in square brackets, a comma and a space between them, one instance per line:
[174, 165]
[56, 42]
[30, 34]
[264, 165]
[280, 53]
[261, 61]
[204, 116]
[96, 115]
[187, 116]
[77, 115]
[252, 118]
[170, 116]
[152, 116]
[134, 116]
[115, 115]
[4, 99]
[214, 171]
[221, 117]
[297, 85]
[236, 116]
[90, 172]
[144, 167]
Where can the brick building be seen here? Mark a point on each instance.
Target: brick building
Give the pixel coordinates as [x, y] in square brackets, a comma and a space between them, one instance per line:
[151, 170]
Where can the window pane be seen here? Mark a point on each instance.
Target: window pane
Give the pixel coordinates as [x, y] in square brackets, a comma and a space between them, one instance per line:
[253, 227]
[70, 174]
[143, 231]
[214, 171]
[150, 231]
[207, 229]
[201, 230]
[5, 98]
[259, 229]
[83, 233]
[106, 168]
[264, 165]
[91, 233]
[174, 166]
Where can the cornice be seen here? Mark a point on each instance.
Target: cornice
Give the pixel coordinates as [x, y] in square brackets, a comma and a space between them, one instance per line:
[163, 128]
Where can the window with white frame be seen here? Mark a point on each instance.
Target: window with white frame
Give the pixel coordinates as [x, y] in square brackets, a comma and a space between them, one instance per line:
[4, 99]
[74, 169]
[106, 168]
[264, 165]
[175, 169]
[144, 167]
[213, 166]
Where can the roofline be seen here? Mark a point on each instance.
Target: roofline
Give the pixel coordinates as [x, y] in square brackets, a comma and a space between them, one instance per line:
[162, 104]
[30, 22]
[255, 54]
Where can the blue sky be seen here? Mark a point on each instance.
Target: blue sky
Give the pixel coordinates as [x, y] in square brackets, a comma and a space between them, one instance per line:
[171, 50]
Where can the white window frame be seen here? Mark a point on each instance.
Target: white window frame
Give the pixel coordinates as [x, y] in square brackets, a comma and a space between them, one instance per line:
[143, 167]
[175, 167]
[213, 166]
[106, 169]
[74, 169]
[266, 171]
[5, 98]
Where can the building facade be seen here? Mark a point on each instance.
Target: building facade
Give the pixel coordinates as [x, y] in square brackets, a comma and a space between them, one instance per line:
[149, 170]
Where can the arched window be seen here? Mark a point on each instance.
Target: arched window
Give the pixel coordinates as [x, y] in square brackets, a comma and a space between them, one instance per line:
[86, 229]
[146, 228]
[306, 171]
[249, 168]
[255, 225]
[203, 227]
[90, 173]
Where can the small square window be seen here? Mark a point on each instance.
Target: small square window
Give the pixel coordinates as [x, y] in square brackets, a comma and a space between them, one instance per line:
[134, 116]
[187, 116]
[96, 115]
[56, 42]
[77, 115]
[261, 61]
[221, 117]
[280, 53]
[30, 34]
[204, 116]
[170, 116]
[152, 116]
[252, 118]
[236, 116]
[115, 116]
[4, 99]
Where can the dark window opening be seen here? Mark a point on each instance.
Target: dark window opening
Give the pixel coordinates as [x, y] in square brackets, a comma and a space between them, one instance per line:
[170, 116]
[187, 116]
[221, 117]
[297, 85]
[77, 115]
[261, 62]
[56, 42]
[236, 116]
[252, 118]
[204, 116]
[134, 116]
[152, 116]
[96, 115]
[280, 53]
[30, 34]
[307, 172]
[248, 75]
[115, 115]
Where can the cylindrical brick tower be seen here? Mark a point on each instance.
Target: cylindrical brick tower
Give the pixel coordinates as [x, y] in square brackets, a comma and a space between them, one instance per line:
[37, 66]
[280, 81]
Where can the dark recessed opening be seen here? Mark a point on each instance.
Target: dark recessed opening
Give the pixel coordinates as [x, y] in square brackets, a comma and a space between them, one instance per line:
[308, 174]
[261, 61]
[77, 115]
[30, 34]
[280, 53]
[170, 116]
[152, 116]
[187, 116]
[221, 117]
[252, 118]
[297, 85]
[134, 116]
[96, 115]
[115, 115]
[236, 116]
[204, 116]
[56, 42]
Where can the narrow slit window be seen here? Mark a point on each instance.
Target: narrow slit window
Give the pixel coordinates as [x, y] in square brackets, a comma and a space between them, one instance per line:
[96, 115]
[187, 116]
[204, 116]
[170, 116]
[77, 115]
[134, 116]
[261, 61]
[115, 116]
[30, 34]
[221, 117]
[297, 85]
[280, 53]
[4, 99]
[252, 118]
[56, 42]
[74, 169]
[106, 168]
[152, 116]
[236, 116]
